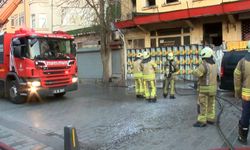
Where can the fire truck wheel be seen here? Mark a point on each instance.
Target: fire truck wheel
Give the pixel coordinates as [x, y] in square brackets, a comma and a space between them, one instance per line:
[60, 94]
[13, 94]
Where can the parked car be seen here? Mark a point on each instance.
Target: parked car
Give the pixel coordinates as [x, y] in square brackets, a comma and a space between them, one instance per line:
[229, 63]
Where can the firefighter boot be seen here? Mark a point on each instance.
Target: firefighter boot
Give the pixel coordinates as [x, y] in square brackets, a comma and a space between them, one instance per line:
[172, 97]
[199, 124]
[165, 95]
[243, 132]
[154, 99]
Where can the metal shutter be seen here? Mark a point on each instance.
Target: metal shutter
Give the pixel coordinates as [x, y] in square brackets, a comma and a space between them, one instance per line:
[246, 30]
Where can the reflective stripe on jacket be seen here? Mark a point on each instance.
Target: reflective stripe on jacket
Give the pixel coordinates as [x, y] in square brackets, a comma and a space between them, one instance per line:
[148, 70]
[242, 79]
[207, 74]
[137, 69]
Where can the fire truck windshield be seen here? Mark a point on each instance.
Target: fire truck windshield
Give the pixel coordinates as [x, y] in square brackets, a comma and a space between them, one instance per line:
[50, 48]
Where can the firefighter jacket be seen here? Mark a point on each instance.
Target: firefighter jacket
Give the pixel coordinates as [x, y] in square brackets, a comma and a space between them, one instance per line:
[137, 68]
[242, 79]
[148, 69]
[170, 68]
[207, 78]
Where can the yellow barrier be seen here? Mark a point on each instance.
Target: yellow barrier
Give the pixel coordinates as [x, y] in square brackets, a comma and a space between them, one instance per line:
[236, 45]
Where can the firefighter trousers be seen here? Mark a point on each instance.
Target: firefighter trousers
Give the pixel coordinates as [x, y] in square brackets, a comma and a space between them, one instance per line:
[139, 89]
[169, 82]
[245, 116]
[150, 89]
[206, 108]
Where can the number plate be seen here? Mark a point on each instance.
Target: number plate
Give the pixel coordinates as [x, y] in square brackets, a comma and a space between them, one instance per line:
[58, 91]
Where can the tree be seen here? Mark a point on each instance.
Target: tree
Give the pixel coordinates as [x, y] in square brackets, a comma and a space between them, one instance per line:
[104, 15]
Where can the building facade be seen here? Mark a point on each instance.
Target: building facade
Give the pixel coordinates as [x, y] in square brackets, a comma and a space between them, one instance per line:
[19, 18]
[50, 15]
[157, 23]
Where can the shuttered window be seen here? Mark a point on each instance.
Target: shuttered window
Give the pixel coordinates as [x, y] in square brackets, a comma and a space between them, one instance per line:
[246, 30]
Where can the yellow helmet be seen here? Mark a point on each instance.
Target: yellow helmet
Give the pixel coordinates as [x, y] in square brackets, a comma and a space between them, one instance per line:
[146, 54]
[206, 52]
[170, 56]
[139, 55]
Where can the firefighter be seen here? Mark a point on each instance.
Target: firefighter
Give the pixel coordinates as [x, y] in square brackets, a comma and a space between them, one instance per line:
[170, 68]
[207, 87]
[137, 72]
[149, 68]
[242, 91]
[45, 53]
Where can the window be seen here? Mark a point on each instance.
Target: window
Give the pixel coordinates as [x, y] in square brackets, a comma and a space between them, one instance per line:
[21, 19]
[170, 37]
[1, 49]
[136, 43]
[12, 21]
[153, 42]
[150, 3]
[33, 21]
[49, 49]
[16, 20]
[139, 43]
[171, 1]
[186, 40]
[42, 22]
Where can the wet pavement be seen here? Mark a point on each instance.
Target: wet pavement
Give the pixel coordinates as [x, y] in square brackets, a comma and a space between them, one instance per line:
[112, 118]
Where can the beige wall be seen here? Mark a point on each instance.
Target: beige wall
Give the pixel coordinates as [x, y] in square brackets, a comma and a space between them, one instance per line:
[126, 9]
[87, 41]
[161, 6]
[41, 11]
[230, 31]
[23, 8]
[41, 16]
[196, 36]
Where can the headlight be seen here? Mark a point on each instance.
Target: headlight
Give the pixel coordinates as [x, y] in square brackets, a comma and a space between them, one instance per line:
[74, 79]
[36, 83]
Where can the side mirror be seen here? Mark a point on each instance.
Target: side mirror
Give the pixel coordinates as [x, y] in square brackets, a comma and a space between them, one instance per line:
[74, 49]
[17, 51]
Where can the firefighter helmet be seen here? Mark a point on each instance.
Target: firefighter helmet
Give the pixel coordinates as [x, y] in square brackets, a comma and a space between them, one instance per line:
[146, 54]
[206, 52]
[170, 56]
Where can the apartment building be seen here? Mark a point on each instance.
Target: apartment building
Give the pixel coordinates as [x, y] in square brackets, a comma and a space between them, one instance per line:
[19, 18]
[50, 15]
[156, 23]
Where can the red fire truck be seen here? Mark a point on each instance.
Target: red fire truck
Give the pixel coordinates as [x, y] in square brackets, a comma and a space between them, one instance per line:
[34, 63]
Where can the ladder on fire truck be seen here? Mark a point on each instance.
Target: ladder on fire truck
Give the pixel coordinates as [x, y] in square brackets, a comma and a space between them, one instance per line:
[7, 7]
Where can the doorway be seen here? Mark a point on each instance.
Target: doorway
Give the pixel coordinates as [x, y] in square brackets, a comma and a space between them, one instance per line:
[212, 34]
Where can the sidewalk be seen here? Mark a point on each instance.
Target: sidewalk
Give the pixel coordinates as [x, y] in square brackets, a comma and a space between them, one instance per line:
[19, 141]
